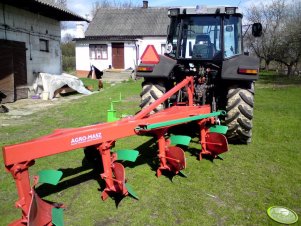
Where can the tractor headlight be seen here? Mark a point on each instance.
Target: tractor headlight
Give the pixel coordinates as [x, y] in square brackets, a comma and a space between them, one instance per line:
[230, 10]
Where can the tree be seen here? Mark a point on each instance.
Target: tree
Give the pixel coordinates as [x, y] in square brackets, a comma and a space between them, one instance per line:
[68, 53]
[289, 46]
[271, 16]
[67, 38]
[281, 37]
[111, 4]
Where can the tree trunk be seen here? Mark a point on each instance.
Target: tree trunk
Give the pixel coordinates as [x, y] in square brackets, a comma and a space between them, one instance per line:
[289, 70]
[267, 63]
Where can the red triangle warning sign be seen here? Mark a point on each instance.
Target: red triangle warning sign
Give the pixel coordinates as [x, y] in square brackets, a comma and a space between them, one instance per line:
[150, 55]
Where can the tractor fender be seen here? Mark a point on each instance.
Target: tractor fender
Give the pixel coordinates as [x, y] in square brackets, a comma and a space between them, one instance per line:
[160, 70]
[230, 68]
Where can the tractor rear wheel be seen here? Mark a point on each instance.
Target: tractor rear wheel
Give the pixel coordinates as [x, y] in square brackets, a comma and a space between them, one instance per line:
[151, 91]
[240, 103]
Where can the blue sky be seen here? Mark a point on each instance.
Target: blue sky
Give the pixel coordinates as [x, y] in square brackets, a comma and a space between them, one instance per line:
[83, 7]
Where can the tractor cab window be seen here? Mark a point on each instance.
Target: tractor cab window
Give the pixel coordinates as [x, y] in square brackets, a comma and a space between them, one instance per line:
[172, 39]
[199, 37]
[232, 36]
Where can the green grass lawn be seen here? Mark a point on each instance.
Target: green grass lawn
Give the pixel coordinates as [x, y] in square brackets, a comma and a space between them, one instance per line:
[235, 191]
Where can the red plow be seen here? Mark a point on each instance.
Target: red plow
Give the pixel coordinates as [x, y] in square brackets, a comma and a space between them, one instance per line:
[19, 157]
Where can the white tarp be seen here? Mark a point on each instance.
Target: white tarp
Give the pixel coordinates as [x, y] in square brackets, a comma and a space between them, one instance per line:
[51, 83]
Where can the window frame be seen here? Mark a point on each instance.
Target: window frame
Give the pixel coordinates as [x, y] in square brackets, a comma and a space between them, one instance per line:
[103, 51]
[45, 44]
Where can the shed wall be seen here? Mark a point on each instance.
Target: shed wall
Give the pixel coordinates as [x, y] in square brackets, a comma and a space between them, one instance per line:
[23, 26]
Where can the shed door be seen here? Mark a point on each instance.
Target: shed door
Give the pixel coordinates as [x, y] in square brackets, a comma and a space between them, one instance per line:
[7, 82]
[118, 55]
[13, 76]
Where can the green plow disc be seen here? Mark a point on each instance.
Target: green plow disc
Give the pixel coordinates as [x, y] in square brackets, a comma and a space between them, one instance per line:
[180, 139]
[218, 129]
[57, 216]
[183, 174]
[221, 156]
[131, 191]
[127, 155]
[50, 176]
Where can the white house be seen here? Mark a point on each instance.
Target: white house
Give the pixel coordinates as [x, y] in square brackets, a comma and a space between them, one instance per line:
[30, 35]
[117, 37]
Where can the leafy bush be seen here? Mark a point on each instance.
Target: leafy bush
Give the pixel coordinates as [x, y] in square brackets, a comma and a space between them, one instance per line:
[68, 56]
[68, 63]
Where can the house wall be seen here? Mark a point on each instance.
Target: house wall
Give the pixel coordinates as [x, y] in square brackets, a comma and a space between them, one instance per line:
[24, 26]
[83, 61]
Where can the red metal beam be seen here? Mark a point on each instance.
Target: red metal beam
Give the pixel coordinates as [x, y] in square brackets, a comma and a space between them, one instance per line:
[70, 139]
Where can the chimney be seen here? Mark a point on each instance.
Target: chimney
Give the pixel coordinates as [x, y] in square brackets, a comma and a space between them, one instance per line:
[145, 4]
[80, 30]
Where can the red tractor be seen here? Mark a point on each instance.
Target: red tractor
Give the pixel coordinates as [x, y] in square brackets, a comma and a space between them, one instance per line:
[206, 43]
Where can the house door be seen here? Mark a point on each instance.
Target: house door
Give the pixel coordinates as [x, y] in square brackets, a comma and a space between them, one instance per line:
[118, 55]
[13, 73]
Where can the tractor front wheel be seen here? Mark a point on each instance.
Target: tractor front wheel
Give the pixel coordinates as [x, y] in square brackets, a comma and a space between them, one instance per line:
[240, 103]
[151, 91]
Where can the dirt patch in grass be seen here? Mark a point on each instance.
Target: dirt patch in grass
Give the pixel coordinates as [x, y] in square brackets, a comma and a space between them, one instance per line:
[106, 222]
[25, 107]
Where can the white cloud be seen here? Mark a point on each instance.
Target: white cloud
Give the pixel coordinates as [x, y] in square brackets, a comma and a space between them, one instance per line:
[81, 7]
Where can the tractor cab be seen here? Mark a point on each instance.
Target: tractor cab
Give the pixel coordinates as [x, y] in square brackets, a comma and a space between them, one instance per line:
[204, 34]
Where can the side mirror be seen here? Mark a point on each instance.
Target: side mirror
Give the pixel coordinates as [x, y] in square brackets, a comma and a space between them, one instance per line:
[257, 29]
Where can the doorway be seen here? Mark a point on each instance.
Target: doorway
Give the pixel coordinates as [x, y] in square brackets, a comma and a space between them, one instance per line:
[118, 55]
[13, 72]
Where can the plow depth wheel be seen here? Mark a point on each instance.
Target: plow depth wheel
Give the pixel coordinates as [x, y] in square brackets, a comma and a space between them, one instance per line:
[175, 159]
[216, 143]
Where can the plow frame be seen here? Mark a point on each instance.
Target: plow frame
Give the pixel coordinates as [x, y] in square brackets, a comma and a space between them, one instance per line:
[19, 157]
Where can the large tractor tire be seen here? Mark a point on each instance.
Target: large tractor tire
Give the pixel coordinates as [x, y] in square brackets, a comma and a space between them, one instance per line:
[240, 103]
[151, 91]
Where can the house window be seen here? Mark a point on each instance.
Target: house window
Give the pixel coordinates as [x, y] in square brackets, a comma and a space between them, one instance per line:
[98, 52]
[44, 45]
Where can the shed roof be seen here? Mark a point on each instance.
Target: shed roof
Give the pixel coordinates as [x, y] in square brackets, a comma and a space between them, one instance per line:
[48, 8]
[128, 22]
